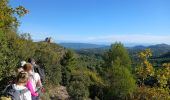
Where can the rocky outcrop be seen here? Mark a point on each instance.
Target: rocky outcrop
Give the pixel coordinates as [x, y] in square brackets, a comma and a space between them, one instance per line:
[59, 93]
[48, 39]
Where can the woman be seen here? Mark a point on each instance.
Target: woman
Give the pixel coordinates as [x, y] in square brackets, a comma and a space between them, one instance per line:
[18, 90]
[34, 81]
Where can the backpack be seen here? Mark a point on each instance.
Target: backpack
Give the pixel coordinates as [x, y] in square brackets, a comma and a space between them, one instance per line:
[10, 93]
[40, 71]
[5, 98]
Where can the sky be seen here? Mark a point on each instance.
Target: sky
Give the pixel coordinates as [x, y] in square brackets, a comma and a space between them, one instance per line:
[97, 21]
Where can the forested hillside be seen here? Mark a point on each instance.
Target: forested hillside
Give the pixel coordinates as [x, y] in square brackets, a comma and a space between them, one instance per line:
[109, 75]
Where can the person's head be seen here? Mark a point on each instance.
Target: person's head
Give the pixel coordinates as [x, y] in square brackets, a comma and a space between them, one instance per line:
[28, 67]
[22, 77]
[20, 66]
[31, 60]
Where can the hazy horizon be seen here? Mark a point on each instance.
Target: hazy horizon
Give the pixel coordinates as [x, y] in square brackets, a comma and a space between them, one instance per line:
[103, 43]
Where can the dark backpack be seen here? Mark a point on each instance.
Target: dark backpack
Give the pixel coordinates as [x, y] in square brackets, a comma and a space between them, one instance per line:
[40, 71]
[12, 93]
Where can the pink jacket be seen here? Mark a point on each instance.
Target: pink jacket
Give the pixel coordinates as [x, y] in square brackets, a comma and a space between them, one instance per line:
[29, 86]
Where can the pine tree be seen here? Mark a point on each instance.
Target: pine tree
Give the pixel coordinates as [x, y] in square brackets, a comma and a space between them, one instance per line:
[118, 73]
[117, 50]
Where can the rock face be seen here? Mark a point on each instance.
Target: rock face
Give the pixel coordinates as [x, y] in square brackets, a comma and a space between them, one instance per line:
[59, 93]
[48, 39]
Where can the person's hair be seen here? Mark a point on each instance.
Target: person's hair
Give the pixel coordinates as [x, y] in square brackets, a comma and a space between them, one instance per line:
[27, 67]
[30, 60]
[22, 77]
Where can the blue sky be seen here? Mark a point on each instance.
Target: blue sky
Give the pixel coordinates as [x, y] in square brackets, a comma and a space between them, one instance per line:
[97, 21]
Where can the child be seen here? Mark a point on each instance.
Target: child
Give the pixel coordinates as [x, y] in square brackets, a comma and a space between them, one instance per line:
[34, 81]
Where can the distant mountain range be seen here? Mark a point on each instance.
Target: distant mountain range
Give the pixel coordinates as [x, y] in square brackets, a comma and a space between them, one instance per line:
[81, 45]
[91, 46]
[158, 49]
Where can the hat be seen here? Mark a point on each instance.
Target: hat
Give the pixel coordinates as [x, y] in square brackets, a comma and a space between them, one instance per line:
[23, 63]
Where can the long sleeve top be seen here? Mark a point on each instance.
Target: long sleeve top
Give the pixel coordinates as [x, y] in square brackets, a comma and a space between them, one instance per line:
[30, 87]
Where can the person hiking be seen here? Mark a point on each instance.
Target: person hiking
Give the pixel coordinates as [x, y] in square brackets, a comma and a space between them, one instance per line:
[18, 91]
[37, 69]
[34, 82]
[20, 68]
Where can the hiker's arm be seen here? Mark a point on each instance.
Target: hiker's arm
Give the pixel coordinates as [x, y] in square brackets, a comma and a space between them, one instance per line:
[29, 86]
[39, 83]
